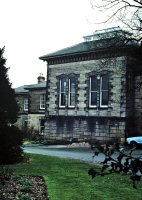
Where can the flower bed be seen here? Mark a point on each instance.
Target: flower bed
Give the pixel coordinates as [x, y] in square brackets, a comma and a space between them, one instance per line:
[23, 188]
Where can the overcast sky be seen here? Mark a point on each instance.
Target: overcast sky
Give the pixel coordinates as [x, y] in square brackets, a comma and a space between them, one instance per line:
[32, 28]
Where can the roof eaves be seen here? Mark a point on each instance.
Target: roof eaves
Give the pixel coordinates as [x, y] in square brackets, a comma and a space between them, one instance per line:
[83, 48]
[61, 55]
[21, 93]
[45, 58]
[41, 85]
[37, 88]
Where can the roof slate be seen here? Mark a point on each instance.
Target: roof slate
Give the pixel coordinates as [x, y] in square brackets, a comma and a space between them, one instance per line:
[21, 89]
[37, 86]
[69, 50]
[83, 47]
[25, 88]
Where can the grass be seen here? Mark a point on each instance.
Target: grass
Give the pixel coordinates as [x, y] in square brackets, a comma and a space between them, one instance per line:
[68, 179]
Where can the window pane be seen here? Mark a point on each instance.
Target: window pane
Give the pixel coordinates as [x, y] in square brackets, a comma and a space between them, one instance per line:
[104, 91]
[63, 85]
[93, 83]
[72, 92]
[72, 85]
[26, 104]
[41, 127]
[93, 98]
[42, 101]
[104, 82]
[93, 91]
[63, 99]
[72, 99]
[104, 98]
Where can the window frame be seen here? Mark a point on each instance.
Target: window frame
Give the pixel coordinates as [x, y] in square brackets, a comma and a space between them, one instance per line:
[90, 92]
[41, 127]
[69, 93]
[26, 104]
[60, 93]
[42, 101]
[101, 92]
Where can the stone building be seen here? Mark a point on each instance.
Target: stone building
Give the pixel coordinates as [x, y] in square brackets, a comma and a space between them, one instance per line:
[92, 88]
[31, 101]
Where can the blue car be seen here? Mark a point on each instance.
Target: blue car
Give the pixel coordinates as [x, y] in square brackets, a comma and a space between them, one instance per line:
[134, 141]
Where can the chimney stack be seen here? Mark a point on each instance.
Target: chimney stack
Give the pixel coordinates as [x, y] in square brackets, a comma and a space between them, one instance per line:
[40, 78]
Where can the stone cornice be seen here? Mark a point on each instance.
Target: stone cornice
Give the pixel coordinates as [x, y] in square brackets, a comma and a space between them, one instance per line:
[92, 55]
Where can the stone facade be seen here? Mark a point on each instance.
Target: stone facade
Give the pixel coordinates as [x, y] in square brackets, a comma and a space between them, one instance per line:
[31, 101]
[135, 98]
[82, 120]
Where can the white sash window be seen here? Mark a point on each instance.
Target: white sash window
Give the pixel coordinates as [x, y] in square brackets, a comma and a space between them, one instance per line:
[42, 101]
[98, 91]
[67, 92]
[26, 104]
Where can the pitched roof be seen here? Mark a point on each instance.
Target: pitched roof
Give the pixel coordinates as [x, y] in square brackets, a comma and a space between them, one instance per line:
[25, 88]
[69, 50]
[21, 89]
[76, 49]
[85, 47]
[37, 86]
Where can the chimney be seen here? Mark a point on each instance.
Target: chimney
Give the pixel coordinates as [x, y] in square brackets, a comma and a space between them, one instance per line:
[40, 78]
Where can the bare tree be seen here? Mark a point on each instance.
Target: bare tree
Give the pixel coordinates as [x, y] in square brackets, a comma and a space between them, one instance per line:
[129, 12]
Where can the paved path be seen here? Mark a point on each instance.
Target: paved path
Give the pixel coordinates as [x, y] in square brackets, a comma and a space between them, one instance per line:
[79, 154]
[65, 152]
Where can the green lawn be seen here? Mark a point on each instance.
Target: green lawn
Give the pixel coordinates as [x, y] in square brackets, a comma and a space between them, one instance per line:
[69, 180]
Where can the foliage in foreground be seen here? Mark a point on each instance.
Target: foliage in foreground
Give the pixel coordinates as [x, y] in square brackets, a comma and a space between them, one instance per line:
[8, 104]
[10, 136]
[10, 145]
[123, 163]
[67, 179]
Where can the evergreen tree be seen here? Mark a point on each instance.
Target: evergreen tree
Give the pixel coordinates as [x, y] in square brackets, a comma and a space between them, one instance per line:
[10, 136]
[8, 104]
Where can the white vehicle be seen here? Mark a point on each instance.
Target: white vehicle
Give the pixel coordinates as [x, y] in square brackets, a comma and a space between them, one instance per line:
[134, 141]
